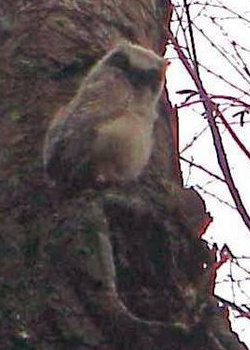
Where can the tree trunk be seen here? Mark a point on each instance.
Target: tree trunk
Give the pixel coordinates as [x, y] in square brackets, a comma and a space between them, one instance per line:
[108, 269]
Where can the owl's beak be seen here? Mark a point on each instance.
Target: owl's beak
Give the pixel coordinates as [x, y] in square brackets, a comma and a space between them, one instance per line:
[165, 65]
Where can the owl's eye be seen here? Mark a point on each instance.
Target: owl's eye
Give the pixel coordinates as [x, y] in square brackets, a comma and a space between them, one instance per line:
[142, 77]
[119, 60]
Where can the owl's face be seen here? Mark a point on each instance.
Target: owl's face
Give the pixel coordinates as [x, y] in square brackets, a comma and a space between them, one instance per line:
[143, 68]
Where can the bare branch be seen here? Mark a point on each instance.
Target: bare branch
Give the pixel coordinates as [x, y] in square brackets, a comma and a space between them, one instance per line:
[215, 197]
[198, 166]
[231, 98]
[232, 133]
[196, 137]
[211, 111]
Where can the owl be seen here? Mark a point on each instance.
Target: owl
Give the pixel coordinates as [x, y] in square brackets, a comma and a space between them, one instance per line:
[105, 134]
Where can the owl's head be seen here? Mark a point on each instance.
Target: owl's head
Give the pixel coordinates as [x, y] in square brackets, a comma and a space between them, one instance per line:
[143, 68]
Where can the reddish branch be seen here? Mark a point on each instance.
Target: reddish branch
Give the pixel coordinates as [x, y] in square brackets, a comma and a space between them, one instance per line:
[211, 111]
[221, 97]
[232, 133]
[231, 98]
[223, 119]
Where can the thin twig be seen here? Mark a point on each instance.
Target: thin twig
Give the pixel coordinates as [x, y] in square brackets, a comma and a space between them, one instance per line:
[230, 98]
[198, 166]
[232, 133]
[211, 110]
[223, 119]
[222, 201]
[245, 93]
[222, 53]
[195, 138]
[213, 97]
[191, 34]
[234, 306]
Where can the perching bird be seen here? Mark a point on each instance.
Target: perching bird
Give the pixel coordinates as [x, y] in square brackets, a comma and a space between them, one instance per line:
[104, 135]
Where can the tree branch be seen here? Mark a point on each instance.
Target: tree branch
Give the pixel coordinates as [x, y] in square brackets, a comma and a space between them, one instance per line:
[198, 166]
[211, 111]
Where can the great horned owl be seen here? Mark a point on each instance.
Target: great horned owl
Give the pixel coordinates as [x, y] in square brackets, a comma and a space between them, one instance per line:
[104, 135]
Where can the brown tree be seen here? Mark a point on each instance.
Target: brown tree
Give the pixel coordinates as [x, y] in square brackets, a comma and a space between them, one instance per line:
[114, 268]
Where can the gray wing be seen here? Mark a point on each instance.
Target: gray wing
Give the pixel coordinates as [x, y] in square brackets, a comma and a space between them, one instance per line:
[69, 140]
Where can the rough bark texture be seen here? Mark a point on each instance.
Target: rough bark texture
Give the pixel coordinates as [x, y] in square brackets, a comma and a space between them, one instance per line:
[118, 268]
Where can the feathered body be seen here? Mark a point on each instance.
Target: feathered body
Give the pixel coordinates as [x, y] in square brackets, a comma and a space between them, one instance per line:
[104, 135]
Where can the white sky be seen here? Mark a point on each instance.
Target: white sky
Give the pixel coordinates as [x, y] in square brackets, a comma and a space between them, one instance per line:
[227, 226]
